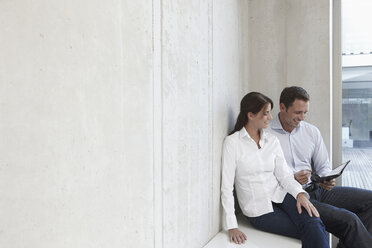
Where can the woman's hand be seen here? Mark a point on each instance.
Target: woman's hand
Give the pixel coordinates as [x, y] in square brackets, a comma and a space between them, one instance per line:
[302, 201]
[237, 236]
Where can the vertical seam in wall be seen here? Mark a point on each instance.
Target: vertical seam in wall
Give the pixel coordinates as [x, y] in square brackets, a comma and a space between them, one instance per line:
[157, 123]
[330, 33]
[285, 46]
[211, 124]
[337, 86]
[162, 115]
[239, 45]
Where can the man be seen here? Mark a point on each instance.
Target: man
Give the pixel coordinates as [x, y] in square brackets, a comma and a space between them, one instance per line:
[345, 211]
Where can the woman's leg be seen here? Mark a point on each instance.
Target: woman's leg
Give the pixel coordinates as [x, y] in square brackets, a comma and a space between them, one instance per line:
[313, 233]
[276, 222]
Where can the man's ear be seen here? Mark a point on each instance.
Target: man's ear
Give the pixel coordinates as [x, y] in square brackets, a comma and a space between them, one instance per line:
[282, 107]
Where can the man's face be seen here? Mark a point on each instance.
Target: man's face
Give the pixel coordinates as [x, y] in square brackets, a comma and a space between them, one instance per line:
[292, 116]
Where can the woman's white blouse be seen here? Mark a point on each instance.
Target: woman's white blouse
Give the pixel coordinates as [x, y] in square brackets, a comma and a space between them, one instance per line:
[261, 176]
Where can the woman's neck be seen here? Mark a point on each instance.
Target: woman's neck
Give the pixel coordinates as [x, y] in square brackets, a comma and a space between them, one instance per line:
[254, 133]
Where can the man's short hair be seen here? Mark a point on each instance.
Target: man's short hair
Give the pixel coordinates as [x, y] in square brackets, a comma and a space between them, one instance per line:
[290, 94]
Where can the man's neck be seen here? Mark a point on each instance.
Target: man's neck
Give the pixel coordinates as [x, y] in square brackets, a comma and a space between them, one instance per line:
[286, 127]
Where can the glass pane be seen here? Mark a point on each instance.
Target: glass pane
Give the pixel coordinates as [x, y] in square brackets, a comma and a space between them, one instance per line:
[357, 92]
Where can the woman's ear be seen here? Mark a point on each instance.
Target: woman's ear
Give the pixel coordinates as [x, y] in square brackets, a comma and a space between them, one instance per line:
[250, 115]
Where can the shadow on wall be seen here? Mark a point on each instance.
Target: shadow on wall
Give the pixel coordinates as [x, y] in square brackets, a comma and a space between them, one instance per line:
[231, 120]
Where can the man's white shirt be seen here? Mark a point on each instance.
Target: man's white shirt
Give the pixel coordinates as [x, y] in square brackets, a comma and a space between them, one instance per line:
[302, 147]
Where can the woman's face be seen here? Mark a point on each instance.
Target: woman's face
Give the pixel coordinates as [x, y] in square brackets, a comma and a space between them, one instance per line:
[262, 118]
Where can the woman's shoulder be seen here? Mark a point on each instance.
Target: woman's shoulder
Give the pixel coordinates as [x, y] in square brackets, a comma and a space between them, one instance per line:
[232, 137]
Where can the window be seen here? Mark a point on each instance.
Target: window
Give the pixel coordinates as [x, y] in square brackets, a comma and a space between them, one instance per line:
[357, 92]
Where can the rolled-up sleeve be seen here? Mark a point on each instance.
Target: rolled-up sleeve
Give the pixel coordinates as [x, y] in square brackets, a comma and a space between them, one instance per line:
[320, 155]
[227, 184]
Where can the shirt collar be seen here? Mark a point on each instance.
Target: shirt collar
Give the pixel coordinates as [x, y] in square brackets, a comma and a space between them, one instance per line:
[243, 132]
[278, 126]
[275, 123]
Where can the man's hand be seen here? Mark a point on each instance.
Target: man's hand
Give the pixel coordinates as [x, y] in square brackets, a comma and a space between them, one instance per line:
[302, 201]
[302, 176]
[237, 236]
[328, 185]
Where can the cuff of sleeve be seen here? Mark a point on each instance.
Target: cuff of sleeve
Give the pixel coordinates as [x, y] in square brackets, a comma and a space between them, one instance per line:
[303, 191]
[295, 193]
[230, 222]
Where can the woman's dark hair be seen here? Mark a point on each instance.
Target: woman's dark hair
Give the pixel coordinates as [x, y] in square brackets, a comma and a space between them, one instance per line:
[290, 94]
[252, 102]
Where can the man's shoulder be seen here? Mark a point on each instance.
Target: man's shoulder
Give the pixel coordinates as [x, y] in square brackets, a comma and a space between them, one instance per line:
[309, 127]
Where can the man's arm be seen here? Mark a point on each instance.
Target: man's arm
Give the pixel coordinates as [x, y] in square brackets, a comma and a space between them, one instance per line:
[321, 161]
[328, 185]
[303, 176]
[320, 157]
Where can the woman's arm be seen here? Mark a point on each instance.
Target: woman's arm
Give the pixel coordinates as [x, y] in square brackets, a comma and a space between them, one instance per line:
[286, 179]
[227, 186]
[284, 174]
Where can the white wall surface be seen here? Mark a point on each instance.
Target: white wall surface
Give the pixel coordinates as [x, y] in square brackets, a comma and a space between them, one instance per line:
[308, 58]
[112, 120]
[66, 158]
[289, 44]
[136, 52]
[113, 113]
[266, 47]
[203, 78]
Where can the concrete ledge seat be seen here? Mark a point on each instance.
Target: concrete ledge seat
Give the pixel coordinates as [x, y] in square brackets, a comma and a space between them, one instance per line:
[255, 239]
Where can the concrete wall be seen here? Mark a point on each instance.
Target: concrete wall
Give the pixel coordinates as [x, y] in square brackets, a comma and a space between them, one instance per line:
[290, 44]
[112, 120]
[309, 58]
[66, 157]
[202, 86]
[113, 113]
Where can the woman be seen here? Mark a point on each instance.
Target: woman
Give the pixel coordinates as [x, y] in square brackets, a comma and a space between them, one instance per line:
[267, 192]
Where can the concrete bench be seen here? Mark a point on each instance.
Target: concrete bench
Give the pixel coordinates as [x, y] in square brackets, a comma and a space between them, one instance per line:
[255, 239]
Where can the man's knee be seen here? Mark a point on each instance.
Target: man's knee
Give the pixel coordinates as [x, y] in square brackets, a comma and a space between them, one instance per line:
[350, 220]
